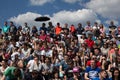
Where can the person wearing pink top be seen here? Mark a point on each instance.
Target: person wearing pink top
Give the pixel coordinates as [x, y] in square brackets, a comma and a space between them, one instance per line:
[44, 36]
[102, 28]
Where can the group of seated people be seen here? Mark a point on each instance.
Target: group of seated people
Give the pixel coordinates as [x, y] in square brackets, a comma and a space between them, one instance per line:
[59, 53]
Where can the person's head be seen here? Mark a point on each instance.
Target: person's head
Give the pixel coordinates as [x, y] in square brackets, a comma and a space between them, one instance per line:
[11, 23]
[95, 23]
[70, 63]
[20, 28]
[66, 57]
[118, 60]
[95, 45]
[96, 51]
[90, 36]
[116, 73]
[94, 57]
[58, 24]
[50, 23]
[93, 63]
[105, 45]
[112, 23]
[25, 24]
[5, 23]
[114, 44]
[47, 60]
[56, 75]
[42, 32]
[88, 23]
[72, 43]
[34, 29]
[77, 58]
[79, 25]
[104, 74]
[43, 24]
[16, 56]
[36, 58]
[101, 26]
[65, 25]
[104, 57]
[25, 45]
[4, 63]
[116, 49]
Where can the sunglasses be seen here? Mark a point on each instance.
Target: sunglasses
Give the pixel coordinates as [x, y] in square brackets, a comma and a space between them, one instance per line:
[104, 59]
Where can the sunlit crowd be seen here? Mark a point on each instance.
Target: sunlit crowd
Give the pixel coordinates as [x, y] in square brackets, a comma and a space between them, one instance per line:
[55, 52]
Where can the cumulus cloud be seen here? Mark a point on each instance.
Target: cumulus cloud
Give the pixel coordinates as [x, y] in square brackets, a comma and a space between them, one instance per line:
[70, 17]
[40, 2]
[74, 17]
[26, 17]
[106, 8]
[71, 1]
[98, 21]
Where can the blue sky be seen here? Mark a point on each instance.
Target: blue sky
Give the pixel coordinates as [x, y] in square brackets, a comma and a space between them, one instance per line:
[63, 11]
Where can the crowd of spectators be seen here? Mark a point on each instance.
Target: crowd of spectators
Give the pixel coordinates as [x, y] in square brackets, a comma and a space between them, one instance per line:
[56, 52]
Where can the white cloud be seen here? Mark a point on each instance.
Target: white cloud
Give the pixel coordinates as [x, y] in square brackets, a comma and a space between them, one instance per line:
[71, 1]
[106, 8]
[40, 2]
[74, 17]
[26, 17]
[98, 21]
[115, 22]
[70, 17]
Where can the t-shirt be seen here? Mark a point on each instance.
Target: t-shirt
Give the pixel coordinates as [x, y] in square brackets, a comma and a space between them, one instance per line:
[34, 66]
[93, 73]
[64, 65]
[5, 29]
[58, 30]
[69, 72]
[25, 52]
[89, 43]
[9, 73]
[26, 29]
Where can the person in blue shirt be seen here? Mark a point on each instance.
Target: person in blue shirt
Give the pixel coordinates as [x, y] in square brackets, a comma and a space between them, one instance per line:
[92, 72]
[63, 66]
[43, 28]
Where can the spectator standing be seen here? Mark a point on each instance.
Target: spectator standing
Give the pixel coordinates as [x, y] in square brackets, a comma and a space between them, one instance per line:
[13, 28]
[5, 28]
[26, 28]
[43, 28]
[79, 29]
[50, 29]
[112, 28]
[58, 29]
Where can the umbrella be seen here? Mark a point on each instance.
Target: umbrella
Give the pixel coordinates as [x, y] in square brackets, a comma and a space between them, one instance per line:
[43, 18]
